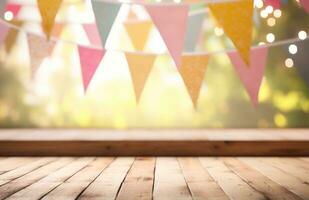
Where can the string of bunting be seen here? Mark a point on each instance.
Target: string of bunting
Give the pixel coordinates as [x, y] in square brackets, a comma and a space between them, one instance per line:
[172, 22]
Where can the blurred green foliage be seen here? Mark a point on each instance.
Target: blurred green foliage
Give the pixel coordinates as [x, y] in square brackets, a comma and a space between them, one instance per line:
[58, 100]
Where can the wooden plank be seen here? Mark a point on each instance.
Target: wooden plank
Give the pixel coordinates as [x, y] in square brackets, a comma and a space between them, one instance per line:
[266, 186]
[30, 178]
[197, 142]
[13, 163]
[74, 186]
[169, 181]
[107, 185]
[289, 167]
[231, 184]
[201, 184]
[154, 148]
[291, 183]
[22, 170]
[139, 182]
[38, 189]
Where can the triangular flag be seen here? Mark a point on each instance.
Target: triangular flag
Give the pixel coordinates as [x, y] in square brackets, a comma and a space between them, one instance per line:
[140, 67]
[92, 34]
[195, 22]
[39, 49]
[58, 28]
[236, 18]
[14, 8]
[251, 76]
[276, 4]
[138, 33]
[48, 10]
[12, 35]
[2, 6]
[105, 14]
[4, 29]
[171, 21]
[305, 4]
[192, 71]
[89, 60]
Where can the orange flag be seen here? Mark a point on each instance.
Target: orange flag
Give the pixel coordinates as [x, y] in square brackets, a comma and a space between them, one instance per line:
[192, 71]
[236, 20]
[138, 33]
[12, 36]
[140, 67]
[58, 28]
[48, 10]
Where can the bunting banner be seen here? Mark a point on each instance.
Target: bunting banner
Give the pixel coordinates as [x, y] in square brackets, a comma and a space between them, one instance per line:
[12, 36]
[192, 71]
[171, 21]
[179, 31]
[39, 48]
[13, 8]
[251, 76]
[138, 33]
[4, 29]
[195, 23]
[48, 11]
[305, 4]
[89, 61]
[92, 34]
[140, 67]
[236, 19]
[276, 4]
[105, 14]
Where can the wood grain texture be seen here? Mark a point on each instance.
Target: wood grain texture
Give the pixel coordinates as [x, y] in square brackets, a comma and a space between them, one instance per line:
[201, 184]
[231, 183]
[154, 148]
[75, 185]
[138, 184]
[169, 181]
[288, 181]
[107, 185]
[258, 181]
[22, 182]
[96, 142]
[161, 178]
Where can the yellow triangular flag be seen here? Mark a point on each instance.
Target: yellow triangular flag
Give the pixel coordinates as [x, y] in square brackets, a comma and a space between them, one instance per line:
[192, 71]
[140, 67]
[48, 10]
[236, 20]
[138, 33]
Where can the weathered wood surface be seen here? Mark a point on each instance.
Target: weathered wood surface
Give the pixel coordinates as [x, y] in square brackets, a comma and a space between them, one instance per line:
[160, 178]
[200, 142]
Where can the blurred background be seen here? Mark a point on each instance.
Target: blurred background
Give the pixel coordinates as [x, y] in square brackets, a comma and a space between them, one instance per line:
[55, 98]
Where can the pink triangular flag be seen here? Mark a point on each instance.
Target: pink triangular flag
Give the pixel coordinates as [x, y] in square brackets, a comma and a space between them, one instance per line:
[89, 60]
[4, 29]
[276, 4]
[251, 76]
[171, 21]
[305, 4]
[92, 34]
[13, 7]
[39, 48]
